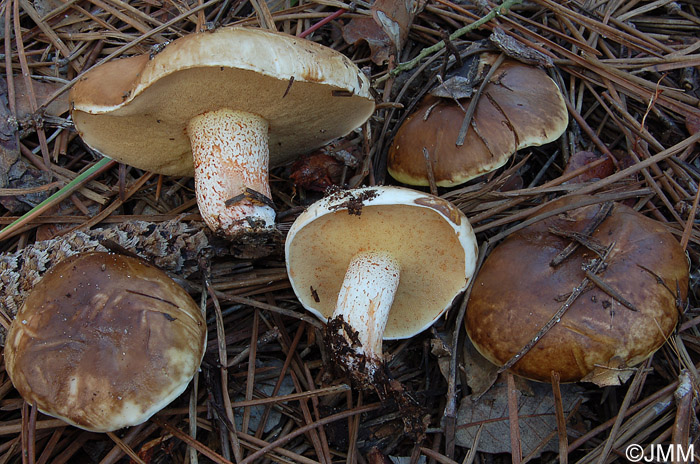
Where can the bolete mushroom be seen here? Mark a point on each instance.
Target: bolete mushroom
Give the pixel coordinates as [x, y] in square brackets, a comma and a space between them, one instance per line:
[520, 107]
[222, 106]
[627, 307]
[104, 341]
[378, 263]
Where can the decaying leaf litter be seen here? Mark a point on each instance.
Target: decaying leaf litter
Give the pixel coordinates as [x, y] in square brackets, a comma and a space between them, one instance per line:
[629, 73]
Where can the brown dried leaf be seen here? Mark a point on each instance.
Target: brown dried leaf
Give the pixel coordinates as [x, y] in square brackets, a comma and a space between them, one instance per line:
[536, 415]
[367, 29]
[463, 82]
[519, 51]
[316, 171]
[480, 372]
[387, 30]
[582, 158]
[42, 91]
[613, 374]
[396, 18]
[69, 20]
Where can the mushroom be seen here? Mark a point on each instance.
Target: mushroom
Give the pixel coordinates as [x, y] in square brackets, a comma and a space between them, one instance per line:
[378, 263]
[520, 107]
[104, 341]
[222, 106]
[625, 312]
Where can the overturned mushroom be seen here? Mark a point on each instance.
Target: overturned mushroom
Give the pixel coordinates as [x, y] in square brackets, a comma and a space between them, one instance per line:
[520, 107]
[632, 276]
[104, 341]
[359, 260]
[222, 106]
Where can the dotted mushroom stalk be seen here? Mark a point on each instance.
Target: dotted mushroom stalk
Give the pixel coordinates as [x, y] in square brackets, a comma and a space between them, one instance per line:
[355, 331]
[364, 302]
[231, 158]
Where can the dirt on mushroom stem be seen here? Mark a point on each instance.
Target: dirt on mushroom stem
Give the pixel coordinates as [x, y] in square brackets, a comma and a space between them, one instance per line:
[372, 373]
[356, 329]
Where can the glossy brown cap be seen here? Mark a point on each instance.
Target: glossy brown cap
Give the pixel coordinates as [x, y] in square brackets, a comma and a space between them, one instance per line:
[520, 107]
[104, 341]
[517, 291]
[136, 109]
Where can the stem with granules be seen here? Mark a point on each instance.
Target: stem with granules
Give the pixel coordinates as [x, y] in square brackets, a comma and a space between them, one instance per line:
[231, 157]
[364, 302]
[355, 332]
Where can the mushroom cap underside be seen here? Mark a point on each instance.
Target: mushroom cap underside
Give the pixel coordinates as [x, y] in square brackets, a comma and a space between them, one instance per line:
[520, 107]
[516, 292]
[430, 238]
[135, 110]
[104, 341]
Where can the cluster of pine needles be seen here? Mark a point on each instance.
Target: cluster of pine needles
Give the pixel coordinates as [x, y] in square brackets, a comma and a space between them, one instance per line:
[266, 393]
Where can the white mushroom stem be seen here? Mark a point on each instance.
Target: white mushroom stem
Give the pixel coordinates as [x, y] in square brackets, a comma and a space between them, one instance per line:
[231, 155]
[364, 302]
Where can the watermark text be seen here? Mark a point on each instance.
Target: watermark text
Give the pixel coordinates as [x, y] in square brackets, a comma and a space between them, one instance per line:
[660, 453]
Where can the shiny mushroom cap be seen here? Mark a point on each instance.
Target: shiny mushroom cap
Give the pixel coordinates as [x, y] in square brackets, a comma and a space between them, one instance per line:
[520, 107]
[517, 291]
[136, 110]
[104, 341]
[430, 239]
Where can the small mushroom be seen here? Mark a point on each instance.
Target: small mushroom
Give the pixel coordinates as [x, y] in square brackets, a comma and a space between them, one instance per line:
[626, 311]
[520, 107]
[104, 341]
[378, 263]
[222, 106]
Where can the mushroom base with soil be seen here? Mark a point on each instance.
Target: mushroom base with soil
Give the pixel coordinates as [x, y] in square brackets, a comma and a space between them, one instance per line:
[231, 158]
[355, 331]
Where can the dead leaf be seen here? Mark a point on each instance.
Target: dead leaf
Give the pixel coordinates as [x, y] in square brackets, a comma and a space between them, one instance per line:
[316, 171]
[42, 91]
[441, 350]
[613, 374]
[462, 82]
[387, 30]
[9, 142]
[480, 372]
[536, 418]
[582, 158]
[396, 17]
[367, 29]
[455, 87]
[69, 19]
[519, 51]
[20, 175]
[44, 7]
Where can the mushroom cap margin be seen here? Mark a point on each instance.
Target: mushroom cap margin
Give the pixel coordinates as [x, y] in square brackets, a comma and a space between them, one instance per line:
[446, 270]
[135, 110]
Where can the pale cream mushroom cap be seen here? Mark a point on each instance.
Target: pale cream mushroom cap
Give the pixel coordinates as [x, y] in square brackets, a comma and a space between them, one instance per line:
[135, 110]
[430, 238]
[104, 341]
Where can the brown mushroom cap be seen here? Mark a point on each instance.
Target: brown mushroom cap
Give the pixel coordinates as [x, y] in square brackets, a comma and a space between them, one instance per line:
[104, 341]
[520, 107]
[517, 291]
[135, 110]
